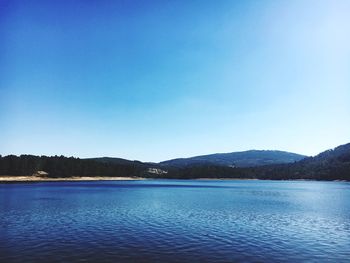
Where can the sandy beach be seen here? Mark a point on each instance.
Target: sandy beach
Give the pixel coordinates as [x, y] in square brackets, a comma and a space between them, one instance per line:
[9, 179]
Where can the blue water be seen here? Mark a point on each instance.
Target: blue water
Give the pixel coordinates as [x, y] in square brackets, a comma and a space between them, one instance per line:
[175, 221]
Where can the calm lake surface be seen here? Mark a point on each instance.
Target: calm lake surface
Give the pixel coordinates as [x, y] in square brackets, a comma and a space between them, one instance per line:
[175, 221]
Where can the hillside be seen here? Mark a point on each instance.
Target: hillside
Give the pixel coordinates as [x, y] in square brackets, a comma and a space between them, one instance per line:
[63, 167]
[237, 159]
[329, 165]
[115, 161]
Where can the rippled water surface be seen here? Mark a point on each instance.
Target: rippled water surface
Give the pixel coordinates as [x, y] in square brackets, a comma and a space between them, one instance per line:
[175, 221]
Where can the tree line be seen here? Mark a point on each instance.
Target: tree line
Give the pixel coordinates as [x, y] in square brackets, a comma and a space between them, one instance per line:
[60, 166]
[329, 165]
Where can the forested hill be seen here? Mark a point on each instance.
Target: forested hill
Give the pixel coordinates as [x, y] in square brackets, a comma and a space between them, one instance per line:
[116, 161]
[237, 159]
[329, 165]
[60, 166]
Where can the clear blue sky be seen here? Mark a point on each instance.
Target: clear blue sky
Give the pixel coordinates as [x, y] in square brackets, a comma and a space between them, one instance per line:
[153, 80]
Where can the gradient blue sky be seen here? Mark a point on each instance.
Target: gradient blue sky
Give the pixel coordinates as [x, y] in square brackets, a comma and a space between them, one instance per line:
[153, 80]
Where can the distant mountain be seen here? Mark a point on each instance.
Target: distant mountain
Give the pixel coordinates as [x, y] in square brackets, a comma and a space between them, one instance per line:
[250, 158]
[121, 161]
[113, 160]
[329, 165]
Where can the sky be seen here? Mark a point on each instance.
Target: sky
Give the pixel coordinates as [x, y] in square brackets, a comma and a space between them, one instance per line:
[155, 80]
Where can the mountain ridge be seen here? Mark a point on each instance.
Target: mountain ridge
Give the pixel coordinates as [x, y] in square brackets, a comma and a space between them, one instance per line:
[333, 164]
[250, 158]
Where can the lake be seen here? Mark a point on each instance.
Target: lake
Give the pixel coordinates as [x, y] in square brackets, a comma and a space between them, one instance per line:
[175, 221]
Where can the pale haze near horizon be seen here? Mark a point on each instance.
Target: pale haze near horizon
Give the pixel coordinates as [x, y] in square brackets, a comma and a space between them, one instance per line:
[157, 80]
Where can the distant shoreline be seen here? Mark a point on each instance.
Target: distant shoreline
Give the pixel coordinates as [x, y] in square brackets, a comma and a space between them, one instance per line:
[29, 179]
[6, 179]
[33, 179]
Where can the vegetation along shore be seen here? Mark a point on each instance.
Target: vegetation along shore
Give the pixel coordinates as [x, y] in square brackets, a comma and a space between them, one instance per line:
[329, 165]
